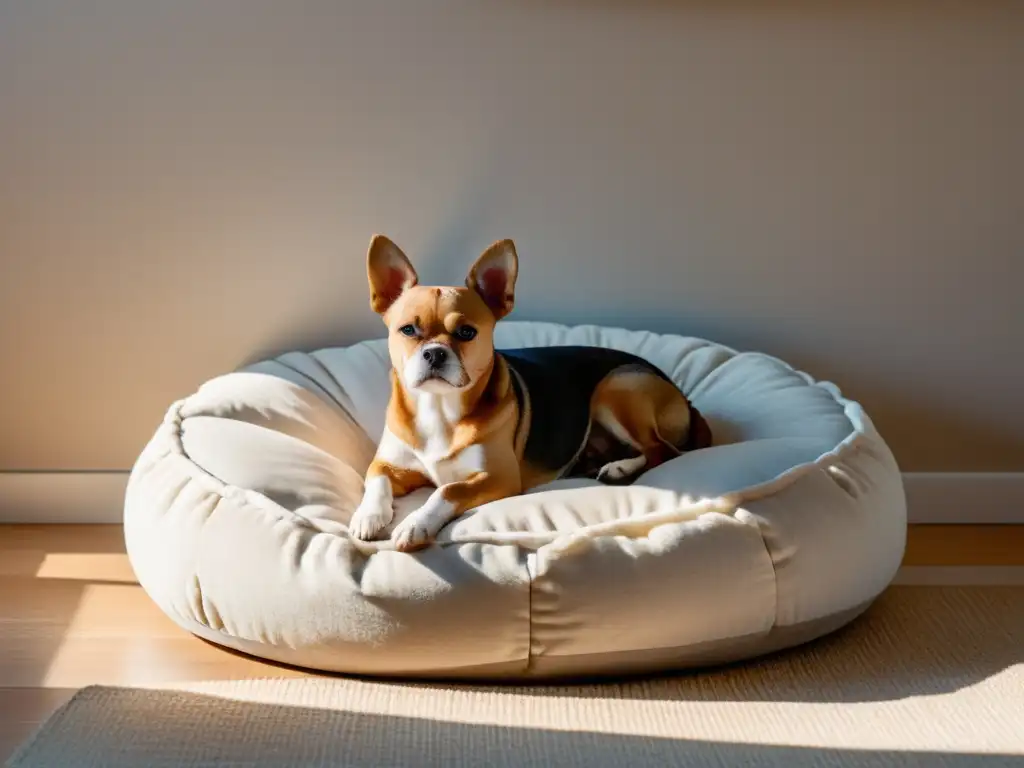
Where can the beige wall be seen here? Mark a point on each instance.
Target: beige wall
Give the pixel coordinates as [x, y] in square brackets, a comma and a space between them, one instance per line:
[188, 185]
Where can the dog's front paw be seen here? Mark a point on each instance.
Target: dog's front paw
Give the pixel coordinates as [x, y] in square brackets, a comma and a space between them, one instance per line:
[622, 471]
[370, 518]
[415, 532]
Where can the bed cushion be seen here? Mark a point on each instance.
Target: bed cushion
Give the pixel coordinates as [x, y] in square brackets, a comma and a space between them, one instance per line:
[787, 528]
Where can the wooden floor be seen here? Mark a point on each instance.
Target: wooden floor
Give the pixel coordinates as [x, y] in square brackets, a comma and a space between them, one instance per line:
[72, 614]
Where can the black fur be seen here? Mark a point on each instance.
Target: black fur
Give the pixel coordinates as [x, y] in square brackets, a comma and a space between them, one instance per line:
[561, 381]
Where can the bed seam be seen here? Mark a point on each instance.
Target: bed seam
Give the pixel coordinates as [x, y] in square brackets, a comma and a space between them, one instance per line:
[775, 579]
[530, 573]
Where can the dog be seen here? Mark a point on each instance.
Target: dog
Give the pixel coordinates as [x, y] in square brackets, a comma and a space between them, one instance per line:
[479, 424]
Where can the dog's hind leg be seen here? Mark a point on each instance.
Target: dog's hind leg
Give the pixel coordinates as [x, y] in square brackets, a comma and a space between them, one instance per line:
[644, 411]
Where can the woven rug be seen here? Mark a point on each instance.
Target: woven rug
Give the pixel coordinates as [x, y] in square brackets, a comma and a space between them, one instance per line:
[930, 676]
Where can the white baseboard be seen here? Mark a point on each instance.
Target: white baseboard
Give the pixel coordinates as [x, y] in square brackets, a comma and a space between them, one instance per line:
[98, 497]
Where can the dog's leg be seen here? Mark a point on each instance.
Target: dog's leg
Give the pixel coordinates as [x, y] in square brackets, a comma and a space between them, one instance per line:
[384, 482]
[622, 471]
[448, 502]
[645, 412]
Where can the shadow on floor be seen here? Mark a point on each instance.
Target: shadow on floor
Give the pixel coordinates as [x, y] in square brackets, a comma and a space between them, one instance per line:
[46, 573]
[914, 641]
[23, 710]
[113, 727]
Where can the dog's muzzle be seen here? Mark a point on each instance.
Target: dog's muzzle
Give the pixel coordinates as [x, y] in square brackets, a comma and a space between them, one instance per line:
[435, 362]
[435, 356]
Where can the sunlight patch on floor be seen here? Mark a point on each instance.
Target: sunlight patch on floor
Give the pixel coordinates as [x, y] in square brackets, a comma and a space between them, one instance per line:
[87, 566]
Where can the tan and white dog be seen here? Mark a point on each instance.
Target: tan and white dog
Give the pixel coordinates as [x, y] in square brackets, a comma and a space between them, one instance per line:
[478, 424]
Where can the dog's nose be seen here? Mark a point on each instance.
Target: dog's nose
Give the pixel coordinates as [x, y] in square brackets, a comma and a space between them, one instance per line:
[435, 356]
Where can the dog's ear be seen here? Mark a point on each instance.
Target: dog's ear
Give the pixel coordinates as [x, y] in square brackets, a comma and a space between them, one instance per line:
[493, 276]
[389, 271]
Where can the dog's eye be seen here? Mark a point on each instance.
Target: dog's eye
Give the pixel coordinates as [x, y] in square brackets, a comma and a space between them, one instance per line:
[465, 332]
[407, 330]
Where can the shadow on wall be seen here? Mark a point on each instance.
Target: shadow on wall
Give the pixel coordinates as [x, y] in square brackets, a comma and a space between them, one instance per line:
[444, 260]
[777, 9]
[914, 428]
[926, 435]
[309, 340]
[192, 728]
[911, 422]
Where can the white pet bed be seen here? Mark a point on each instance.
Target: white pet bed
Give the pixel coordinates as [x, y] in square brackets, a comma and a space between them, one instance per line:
[786, 529]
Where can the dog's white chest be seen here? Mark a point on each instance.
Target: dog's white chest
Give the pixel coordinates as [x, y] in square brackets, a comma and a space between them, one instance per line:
[435, 420]
[466, 463]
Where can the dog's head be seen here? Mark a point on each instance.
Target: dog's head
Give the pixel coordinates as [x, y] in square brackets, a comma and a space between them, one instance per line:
[441, 339]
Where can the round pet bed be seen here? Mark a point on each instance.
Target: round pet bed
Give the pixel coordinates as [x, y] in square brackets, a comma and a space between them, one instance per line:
[784, 530]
